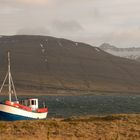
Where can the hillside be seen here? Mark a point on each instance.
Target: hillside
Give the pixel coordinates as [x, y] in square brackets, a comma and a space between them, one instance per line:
[130, 53]
[53, 65]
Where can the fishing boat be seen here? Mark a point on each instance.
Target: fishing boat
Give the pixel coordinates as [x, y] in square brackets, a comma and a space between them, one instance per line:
[12, 110]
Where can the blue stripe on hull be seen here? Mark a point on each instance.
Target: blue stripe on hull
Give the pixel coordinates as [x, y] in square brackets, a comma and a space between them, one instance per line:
[12, 117]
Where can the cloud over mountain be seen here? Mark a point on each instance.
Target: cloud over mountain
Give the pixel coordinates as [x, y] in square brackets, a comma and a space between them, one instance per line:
[34, 1]
[24, 1]
[33, 31]
[67, 26]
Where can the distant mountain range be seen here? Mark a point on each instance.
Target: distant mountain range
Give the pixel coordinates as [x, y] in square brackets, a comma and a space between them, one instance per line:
[130, 53]
[53, 65]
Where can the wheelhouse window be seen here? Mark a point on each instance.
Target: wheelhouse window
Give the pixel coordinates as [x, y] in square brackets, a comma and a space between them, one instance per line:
[33, 102]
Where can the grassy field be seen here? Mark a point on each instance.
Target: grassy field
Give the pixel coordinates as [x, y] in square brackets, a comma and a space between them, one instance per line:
[112, 127]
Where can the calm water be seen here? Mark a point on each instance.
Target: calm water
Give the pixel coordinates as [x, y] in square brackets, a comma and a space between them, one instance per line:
[66, 106]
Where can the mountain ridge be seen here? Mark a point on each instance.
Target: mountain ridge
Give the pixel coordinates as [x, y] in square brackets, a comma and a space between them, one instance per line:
[54, 65]
[130, 53]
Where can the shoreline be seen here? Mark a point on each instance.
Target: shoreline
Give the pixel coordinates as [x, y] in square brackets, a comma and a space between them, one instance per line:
[38, 93]
[86, 94]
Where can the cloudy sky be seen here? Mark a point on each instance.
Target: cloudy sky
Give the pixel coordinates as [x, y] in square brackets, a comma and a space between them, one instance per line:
[91, 21]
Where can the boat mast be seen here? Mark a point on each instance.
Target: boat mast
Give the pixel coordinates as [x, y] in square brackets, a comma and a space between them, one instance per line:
[9, 76]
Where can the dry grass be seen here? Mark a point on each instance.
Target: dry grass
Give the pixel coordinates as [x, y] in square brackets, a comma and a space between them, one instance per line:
[112, 127]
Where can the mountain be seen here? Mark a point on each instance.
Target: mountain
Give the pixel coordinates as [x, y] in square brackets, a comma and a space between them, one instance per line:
[46, 64]
[130, 53]
[107, 46]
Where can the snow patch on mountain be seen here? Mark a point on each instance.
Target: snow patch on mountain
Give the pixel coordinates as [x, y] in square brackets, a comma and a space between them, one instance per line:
[41, 45]
[59, 43]
[98, 50]
[76, 44]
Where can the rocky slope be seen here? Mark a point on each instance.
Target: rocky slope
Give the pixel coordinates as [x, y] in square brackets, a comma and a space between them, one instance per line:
[48, 64]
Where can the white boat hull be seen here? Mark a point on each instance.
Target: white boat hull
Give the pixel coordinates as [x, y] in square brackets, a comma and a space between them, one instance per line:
[12, 113]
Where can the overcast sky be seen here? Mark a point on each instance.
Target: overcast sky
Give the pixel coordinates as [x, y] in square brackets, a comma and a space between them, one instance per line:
[91, 21]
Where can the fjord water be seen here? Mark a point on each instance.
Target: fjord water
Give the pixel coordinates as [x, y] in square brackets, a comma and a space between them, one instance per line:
[67, 106]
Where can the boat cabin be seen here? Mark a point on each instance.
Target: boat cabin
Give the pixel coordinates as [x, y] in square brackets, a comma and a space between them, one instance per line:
[32, 103]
